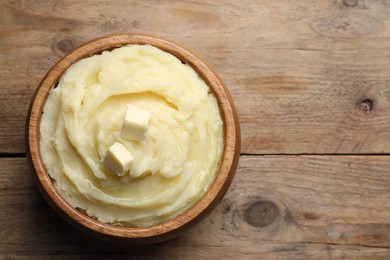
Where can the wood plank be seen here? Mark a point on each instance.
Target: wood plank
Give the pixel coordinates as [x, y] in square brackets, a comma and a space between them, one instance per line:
[280, 207]
[298, 71]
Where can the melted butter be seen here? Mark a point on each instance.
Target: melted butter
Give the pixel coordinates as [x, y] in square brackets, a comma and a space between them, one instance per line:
[176, 163]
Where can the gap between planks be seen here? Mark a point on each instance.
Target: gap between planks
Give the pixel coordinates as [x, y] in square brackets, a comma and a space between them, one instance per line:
[315, 154]
[23, 155]
[12, 155]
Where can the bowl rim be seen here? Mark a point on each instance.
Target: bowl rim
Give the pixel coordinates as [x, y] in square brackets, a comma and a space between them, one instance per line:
[171, 227]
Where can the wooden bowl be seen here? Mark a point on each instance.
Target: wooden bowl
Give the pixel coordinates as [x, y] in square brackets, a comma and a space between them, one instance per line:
[167, 229]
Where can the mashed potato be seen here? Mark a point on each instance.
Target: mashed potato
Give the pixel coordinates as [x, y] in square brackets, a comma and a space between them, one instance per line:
[175, 164]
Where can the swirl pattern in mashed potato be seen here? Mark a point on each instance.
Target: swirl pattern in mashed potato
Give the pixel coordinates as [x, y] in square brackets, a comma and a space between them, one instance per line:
[175, 164]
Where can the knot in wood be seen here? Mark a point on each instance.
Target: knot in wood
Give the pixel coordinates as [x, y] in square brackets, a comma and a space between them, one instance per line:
[261, 213]
[350, 3]
[65, 45]
[366, 106]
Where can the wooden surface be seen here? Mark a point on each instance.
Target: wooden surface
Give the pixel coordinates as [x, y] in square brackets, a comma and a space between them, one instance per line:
[311, 81]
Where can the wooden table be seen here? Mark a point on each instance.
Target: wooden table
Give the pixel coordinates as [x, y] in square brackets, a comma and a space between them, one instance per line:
[311, 81]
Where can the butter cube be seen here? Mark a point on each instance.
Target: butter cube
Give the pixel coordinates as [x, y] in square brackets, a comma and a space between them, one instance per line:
[135, 124]
[118, 159]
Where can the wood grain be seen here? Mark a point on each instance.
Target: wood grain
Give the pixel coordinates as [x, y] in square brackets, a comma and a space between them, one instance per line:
[308, 77]
[327, 207]
[301, 72]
